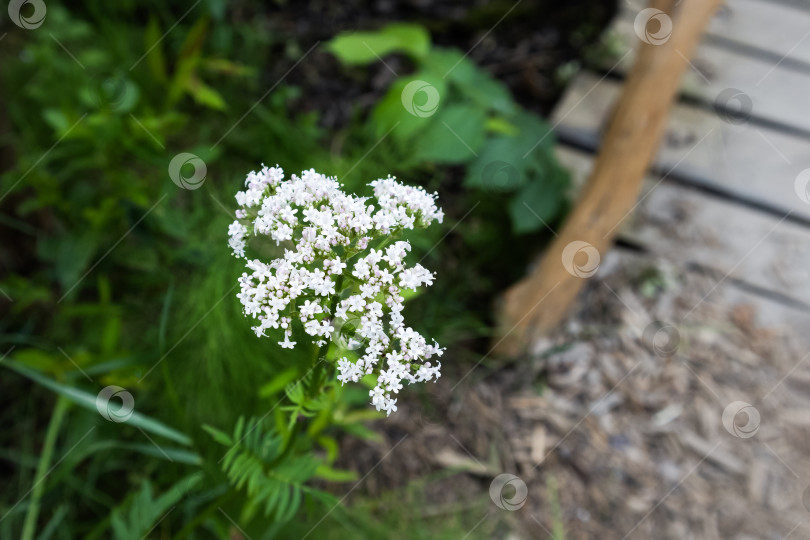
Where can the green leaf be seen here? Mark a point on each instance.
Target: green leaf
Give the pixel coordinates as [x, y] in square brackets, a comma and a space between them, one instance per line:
[472, 81]
[71, 254]
[39, 360]
[56, 119]
[330, 445]
[358, 48]
[88, 401]
[455, 136]
[410, 294]
[111, 365]
[155, 57]
[508, 162]
[498, 167]
[174, 455]
[501, 126]
[272, 477]
[532, 206]
[138, 515]
[205, 95]
[116, 94]
[408, 107]
[187, 61]
[220, 436]
[278, 382]
[329, 474]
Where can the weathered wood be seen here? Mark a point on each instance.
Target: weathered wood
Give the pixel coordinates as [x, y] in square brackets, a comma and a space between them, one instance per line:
[775, 29]
[777, 93]
[626, 152]
[687, 227]
[753, 163]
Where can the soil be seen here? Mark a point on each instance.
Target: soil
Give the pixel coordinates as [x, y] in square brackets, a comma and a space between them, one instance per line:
[524, 44]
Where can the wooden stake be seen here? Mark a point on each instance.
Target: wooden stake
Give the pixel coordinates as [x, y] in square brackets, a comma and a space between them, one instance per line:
[539, 301]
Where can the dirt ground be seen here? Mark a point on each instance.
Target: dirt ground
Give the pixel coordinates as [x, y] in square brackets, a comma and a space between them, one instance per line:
[658, 410]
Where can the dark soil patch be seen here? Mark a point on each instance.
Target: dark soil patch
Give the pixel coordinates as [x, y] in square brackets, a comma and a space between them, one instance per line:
[523, 44]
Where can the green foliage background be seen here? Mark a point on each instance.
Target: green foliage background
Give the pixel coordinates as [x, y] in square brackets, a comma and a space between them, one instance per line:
[118, 277]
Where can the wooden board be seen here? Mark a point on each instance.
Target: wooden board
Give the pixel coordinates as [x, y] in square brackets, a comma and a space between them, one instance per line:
[687, 226]
[753, 163]
[777, 94]
[774, 29]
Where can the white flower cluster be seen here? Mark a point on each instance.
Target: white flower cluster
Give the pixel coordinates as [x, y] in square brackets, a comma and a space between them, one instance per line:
[337, 267]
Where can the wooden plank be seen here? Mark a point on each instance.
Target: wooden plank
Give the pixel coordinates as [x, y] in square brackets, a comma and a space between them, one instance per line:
[778, 30]
[753, 163]
[776, 94]
[687, 226]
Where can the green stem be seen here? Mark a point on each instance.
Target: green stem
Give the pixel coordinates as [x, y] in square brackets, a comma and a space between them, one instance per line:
[287, 445]
[54, 425]
[173, 398]
[317, 375]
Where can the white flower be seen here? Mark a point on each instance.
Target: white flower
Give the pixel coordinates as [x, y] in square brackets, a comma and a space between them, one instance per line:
[287, 344]
[328, 271]
[310, 308]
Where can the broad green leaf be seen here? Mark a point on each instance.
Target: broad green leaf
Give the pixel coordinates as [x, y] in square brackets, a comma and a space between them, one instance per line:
[409, 106]
[472, 81]
[508, 162]
[358, 48]
[534, 204]
[498, 167]
[455, 136]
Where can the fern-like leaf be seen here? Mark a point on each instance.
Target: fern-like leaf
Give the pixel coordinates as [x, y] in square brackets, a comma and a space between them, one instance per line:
[257, 463]
[142, 510]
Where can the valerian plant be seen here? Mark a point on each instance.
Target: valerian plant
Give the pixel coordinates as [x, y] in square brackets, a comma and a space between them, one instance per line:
[342, 264]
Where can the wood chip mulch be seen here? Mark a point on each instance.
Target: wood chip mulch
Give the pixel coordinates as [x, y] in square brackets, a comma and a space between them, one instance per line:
[658, 410]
